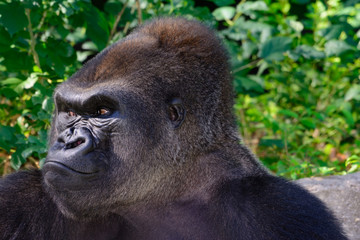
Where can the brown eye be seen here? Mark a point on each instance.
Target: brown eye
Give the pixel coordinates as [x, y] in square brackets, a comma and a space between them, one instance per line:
[103, 112]
[71, 114]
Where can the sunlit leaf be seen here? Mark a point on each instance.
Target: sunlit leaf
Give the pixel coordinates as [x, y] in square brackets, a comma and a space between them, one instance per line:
[248, 7]
[353, 93]
[337, 47]
[307, 52]
[224, 13]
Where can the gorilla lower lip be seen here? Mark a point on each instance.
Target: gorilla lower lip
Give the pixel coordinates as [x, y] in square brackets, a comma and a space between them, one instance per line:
[62, 167]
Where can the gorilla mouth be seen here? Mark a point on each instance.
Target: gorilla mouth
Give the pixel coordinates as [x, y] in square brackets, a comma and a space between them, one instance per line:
[62, 167]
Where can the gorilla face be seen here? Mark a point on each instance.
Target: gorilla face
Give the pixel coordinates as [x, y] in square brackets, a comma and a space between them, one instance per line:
[83, 123]
[118, 134]
[104, 146]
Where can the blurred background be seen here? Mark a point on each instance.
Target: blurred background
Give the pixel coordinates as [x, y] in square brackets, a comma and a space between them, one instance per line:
[295, 64]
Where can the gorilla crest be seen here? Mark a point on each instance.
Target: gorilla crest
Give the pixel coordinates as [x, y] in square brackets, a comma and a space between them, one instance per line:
[144, 145]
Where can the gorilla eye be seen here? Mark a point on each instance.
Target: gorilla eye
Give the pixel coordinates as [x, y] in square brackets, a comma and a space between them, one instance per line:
[102, 112]
[71, 114]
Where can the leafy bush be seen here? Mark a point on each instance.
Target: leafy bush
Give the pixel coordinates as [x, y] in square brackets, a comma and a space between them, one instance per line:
[295, 65]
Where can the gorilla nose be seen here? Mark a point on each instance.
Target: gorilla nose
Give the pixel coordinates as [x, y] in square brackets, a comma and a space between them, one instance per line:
[74, 144]
[79, 139]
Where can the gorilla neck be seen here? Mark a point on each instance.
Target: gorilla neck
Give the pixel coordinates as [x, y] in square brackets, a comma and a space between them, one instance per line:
[211, 169]
[172, 221]
[189, 208]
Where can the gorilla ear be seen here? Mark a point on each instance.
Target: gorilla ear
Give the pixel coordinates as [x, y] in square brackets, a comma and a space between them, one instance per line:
[176, 112]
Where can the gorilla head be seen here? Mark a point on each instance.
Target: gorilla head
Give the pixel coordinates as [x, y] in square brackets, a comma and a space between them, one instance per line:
[131, 125]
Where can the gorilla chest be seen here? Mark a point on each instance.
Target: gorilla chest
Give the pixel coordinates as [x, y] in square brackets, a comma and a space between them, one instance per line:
[187, 221]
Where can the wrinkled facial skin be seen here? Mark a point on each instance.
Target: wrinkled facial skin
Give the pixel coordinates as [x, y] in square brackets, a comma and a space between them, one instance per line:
[100, 140]
[80, 129]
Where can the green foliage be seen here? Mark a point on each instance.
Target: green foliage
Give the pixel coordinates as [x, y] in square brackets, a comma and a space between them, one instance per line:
[295, 65]
[305, 119]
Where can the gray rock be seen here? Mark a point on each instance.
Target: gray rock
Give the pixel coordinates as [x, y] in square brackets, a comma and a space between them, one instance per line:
[342, 195]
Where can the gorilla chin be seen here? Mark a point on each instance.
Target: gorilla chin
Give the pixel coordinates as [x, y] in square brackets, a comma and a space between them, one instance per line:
[61, 177]
[72, 187]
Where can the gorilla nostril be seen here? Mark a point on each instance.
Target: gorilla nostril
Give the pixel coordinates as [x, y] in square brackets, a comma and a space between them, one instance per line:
[75, 143]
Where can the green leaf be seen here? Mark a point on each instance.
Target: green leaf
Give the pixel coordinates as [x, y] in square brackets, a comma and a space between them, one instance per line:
[297, 26]
[17, 160]
[221, 3]
[301, 1]
[263, 65]
[5, 40]
[48, 105]
[334, 31]
[249, 7]
[288, 113]
[224, 13]
[65, 49]
[37, 99]
[16, 61]
[308, 123]
[348, 118]
[11, 81]
[43, 135]
[253, 26]
[248, 48]
[235, 33]
[43, 116]
[97, 27]
[353, 162]
[33, 149]
[249, 83]
[271, 143]
[353, 93]
[28, 83]
[337, 47]
[274, 48]
[113, 7]
[308, 52]
[12, 17]
[259, 80]
[34, 140]
[353, 159]
[8, 93]
[28, 151]
[326, 170]
[7, 136]
[18, 85]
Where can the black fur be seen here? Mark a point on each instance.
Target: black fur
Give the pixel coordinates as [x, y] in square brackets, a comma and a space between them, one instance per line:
[143, 145]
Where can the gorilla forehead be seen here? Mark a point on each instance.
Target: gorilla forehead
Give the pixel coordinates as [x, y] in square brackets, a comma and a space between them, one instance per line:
[174, 54]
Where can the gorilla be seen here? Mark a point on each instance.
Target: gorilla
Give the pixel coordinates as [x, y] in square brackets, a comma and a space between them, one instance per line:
[144, 145]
